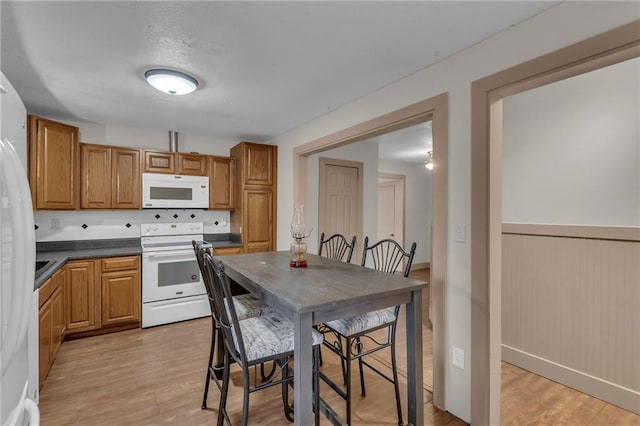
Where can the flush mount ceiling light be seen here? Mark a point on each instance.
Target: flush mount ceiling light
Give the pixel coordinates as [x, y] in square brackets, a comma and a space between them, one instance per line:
[429, 163]
[171, 82]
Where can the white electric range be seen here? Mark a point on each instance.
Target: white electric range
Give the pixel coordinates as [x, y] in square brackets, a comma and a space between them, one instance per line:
[172, 288]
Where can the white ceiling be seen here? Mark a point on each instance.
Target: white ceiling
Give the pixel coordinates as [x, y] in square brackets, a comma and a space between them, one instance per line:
[264, 67]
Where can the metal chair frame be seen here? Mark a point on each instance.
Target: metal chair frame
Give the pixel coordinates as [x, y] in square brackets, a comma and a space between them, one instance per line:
[387, 256]
[215, 372]
[235, 351]
[336, 247]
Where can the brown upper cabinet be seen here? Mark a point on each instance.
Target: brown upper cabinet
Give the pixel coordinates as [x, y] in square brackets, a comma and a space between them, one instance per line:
[255, 211]
[258, 163]
[54, 164]
[175, 163]
[110, 177]
[221, 183]
[192, 164]
[159, 162]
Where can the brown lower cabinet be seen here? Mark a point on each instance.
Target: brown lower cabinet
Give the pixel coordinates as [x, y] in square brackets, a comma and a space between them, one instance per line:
[121, 299]
[87, 297]
[102, 293]
[52, 324]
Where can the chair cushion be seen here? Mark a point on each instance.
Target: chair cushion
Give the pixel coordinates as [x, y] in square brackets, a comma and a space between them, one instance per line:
[249, 306]
[361, 323]
[269, 335]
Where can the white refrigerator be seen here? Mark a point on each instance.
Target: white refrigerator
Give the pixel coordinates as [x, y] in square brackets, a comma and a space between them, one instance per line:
[18, 302]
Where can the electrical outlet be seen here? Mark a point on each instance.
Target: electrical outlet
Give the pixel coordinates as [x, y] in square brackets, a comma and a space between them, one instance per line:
[55, 224]
[459, 233]
[457, 357]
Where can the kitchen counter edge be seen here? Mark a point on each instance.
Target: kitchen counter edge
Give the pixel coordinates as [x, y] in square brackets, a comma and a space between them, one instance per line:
[59, 258]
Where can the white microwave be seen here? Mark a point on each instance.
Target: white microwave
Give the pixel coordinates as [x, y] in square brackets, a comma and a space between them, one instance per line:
[161, 191]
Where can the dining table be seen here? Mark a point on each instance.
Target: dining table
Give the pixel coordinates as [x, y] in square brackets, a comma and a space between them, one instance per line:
[326, 290]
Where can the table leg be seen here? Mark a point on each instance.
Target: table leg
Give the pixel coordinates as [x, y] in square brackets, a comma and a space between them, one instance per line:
[414, 359]
[303, 370]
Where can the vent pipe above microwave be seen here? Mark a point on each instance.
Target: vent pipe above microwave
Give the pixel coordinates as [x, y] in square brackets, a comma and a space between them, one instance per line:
[173, 141]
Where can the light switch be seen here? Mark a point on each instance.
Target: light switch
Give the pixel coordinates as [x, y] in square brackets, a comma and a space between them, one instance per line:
[459, 233]
[457, 357]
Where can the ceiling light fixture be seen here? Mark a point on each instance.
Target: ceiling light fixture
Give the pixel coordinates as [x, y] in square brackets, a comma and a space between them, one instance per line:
[171, 82]
[429, 163]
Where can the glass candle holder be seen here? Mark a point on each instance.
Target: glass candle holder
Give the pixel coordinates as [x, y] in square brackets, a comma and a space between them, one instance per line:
[298, 246]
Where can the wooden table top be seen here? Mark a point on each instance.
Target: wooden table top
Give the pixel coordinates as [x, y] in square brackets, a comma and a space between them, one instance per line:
[325, 285]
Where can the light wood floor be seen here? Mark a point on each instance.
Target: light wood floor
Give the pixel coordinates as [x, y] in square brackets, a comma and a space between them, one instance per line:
[156, 376]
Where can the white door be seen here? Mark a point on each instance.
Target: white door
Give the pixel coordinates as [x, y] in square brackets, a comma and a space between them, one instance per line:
[340, 209]
[391, 210]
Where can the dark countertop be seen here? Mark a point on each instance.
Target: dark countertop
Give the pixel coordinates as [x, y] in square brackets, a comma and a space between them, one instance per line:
[223, 240]
[58, 253]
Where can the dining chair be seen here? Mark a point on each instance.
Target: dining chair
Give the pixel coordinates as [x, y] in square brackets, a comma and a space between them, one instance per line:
[246, 305]
[352, 333]
[337, 247]
[254, 341]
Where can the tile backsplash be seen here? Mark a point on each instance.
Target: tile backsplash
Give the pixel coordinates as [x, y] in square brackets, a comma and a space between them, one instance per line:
[109, 224]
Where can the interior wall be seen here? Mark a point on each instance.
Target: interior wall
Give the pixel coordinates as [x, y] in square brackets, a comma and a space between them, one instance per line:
[365, 152]
[417, 209]
[133, 137]
[560, 26]
[571, 150]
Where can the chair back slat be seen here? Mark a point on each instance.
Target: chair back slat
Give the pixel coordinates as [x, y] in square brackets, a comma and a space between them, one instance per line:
[387, 256]
[227, 316]
[337, 247]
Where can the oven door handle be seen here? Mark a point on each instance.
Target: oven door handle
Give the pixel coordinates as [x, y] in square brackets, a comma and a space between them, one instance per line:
[174, 254]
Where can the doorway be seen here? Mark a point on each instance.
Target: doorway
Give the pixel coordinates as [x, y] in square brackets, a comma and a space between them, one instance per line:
[486, 228]
[436, 110]
[340, 207]
[391, 207]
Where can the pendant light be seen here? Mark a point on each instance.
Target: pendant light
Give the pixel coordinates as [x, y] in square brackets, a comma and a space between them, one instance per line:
[429, 163]
[171, 82]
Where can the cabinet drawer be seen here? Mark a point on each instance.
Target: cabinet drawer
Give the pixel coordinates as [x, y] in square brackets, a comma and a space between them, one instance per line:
[47, 289]
[120, 263]
[226, 250]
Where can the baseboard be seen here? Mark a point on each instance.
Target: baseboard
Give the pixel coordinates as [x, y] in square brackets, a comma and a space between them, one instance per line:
[594, 386]
[421, 265]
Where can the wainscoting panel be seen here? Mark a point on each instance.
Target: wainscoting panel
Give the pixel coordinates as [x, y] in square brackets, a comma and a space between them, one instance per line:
[574, 303]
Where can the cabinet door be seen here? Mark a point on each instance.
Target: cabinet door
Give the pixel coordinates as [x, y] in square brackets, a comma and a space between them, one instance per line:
[159, 162]
[192, 164]
[125, 179]
[81, 298]
[258, 224]
[45, 325]
[259, 164]
[221, 183]
[121, 299]
[58, 326]
[57, 166]
[95, 177]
